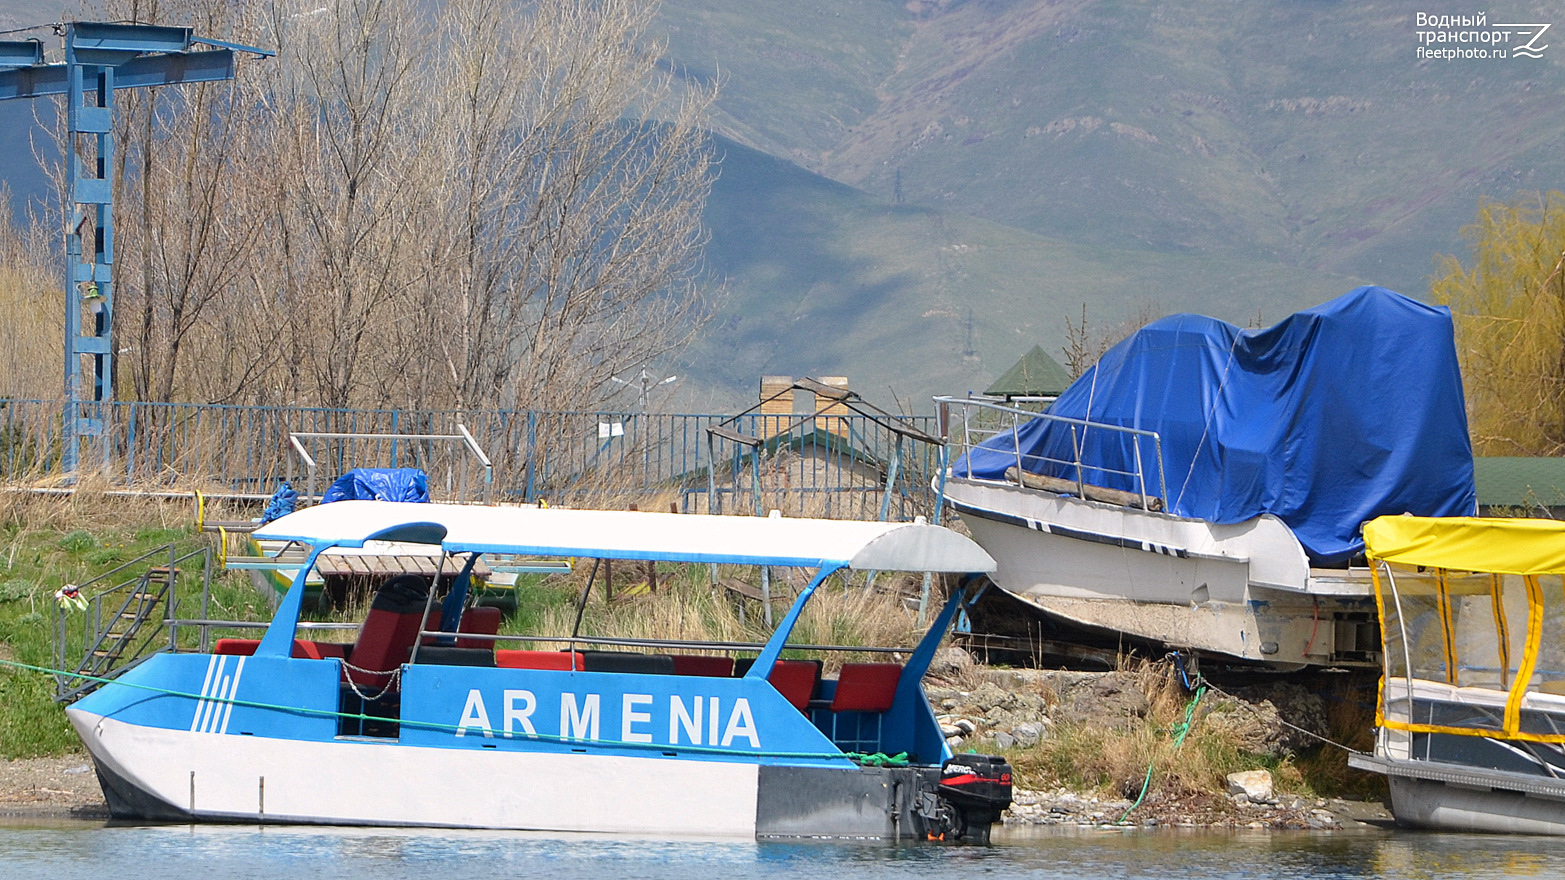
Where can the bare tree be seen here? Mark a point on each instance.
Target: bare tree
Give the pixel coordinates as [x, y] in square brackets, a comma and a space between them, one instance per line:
[492, 204]
[181, 247]
[1083, 348]
[569, 222]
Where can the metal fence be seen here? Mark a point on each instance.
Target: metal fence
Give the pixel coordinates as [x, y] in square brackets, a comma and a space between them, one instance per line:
[837, 466]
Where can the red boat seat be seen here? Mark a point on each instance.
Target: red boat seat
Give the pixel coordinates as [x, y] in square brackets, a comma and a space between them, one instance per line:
[301, 648]
[866, 687]
[796, 680]
[509, 659]
[389, 631]
[697, 664]
[241, 647]
[482, 620]
[320, 650]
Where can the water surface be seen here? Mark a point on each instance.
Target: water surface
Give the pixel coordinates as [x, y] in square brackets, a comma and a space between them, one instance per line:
[212, 852]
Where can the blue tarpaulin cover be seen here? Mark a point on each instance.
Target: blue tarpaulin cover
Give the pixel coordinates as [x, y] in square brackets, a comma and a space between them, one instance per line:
[1334, 416]
[379, 484]
[282, 503]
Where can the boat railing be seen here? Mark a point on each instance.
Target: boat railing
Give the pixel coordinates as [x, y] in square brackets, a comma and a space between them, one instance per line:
[968, 422]
[463, 439]
[660, 643]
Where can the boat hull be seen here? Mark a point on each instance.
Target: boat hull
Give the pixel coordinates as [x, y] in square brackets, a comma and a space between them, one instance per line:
[1244, 590]
[1422, 803]
[1477, 781]
[161, 774]
[152, 774]
[1444, 796]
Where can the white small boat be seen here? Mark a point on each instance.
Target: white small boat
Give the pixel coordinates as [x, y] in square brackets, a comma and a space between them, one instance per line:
[1471, 714]
[424, 721]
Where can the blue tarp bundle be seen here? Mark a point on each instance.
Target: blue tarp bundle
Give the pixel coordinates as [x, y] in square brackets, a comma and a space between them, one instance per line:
[1332, 417]
[379, 484]
[282, 503]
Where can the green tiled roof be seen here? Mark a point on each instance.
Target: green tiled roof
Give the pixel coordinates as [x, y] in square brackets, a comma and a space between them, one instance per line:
[1035, 375]
[1520, 482]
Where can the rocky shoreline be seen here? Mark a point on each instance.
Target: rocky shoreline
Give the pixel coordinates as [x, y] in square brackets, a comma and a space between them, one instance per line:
[995, 708]
[1062, 807]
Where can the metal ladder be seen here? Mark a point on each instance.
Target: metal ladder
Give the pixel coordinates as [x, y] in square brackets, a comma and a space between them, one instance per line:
[118, 640]
[120, 633]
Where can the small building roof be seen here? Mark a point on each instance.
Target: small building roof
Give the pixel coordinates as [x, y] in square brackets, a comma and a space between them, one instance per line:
[1035, 375]
[1518, 481]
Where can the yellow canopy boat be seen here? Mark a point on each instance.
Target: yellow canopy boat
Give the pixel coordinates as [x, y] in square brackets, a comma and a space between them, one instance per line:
[1471, 710]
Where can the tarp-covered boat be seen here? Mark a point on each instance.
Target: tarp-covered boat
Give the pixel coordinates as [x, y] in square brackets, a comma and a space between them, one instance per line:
[1202, 469]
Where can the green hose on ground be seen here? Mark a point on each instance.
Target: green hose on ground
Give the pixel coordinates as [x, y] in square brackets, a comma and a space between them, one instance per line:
[1180, 731]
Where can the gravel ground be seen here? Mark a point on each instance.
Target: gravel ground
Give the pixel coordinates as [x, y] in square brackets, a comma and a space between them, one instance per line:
[1062, 807]
[60, 786]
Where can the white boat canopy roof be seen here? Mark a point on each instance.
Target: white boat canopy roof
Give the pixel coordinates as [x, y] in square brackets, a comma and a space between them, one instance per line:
[615, 534]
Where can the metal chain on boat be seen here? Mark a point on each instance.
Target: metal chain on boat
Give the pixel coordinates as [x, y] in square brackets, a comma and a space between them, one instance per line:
[393, 681]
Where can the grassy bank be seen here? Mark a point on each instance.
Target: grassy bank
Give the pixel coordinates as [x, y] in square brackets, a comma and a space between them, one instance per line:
[47, 542]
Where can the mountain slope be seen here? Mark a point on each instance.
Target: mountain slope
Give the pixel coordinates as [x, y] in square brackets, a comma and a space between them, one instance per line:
[910, 302]
[1307, 133]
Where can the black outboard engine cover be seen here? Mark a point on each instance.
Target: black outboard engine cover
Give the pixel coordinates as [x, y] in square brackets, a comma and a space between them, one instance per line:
[979, 788]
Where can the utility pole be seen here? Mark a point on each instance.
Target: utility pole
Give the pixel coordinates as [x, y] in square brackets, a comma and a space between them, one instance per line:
[100, 58]
[644, 385]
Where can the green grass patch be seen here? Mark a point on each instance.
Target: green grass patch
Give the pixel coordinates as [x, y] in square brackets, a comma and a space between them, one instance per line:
[47, 543]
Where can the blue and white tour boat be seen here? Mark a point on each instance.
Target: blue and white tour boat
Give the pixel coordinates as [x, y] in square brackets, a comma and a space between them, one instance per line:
[426, 720]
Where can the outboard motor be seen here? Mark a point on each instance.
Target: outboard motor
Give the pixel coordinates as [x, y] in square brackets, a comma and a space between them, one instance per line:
[972, 793]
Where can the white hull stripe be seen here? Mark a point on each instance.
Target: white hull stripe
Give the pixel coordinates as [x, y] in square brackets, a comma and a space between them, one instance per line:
[1077, 534]
[371, 783]
[217, 694]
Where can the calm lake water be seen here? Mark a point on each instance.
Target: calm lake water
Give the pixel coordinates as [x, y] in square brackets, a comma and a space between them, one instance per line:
[59, 851]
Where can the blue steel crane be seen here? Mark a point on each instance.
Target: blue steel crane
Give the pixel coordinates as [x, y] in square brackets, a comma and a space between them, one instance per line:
[100, 58]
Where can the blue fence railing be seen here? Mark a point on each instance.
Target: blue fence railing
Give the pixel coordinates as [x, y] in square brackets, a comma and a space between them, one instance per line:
[827, 466]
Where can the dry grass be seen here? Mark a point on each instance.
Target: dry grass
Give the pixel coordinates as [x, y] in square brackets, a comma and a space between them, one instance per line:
[31, 348]
[1096, 753]
[1350, 720]
[91, 508]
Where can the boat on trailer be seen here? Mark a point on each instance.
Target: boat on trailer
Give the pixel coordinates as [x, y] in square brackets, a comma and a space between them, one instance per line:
[1202, 486]
[1471, 711]
[425, 721]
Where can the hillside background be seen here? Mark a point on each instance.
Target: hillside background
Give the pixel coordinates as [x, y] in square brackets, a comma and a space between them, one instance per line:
[1244, 160]
[913, 194]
